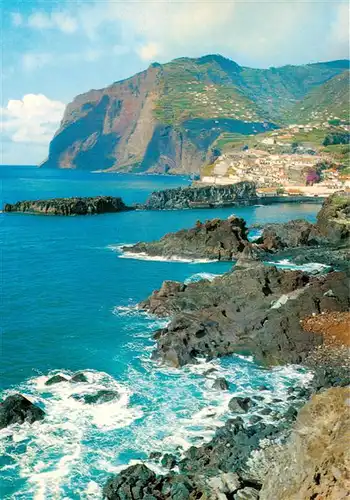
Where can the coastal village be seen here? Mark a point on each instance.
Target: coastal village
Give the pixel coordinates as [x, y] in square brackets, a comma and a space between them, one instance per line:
[280, 166]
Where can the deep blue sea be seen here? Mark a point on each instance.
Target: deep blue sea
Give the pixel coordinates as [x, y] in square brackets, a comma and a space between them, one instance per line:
[68, 304]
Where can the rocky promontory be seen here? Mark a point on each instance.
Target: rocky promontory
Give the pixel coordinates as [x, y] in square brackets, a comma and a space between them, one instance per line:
[241, 193]
[214, 239]
[255, 310]
[70, 206]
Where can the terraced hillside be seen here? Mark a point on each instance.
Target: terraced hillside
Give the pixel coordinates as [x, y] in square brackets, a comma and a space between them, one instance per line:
[329, 101]
[168, 117]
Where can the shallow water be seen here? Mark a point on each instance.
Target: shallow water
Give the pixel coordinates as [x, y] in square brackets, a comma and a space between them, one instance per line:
[68, 305]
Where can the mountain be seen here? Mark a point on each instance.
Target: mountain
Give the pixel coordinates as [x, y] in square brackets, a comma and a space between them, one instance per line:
[166, 118]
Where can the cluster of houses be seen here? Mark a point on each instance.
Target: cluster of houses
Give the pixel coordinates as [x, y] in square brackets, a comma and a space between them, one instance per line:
[276, 172]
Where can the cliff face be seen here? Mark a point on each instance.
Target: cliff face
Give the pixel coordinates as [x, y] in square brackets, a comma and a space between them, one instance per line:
[315, 462]
[165, 119]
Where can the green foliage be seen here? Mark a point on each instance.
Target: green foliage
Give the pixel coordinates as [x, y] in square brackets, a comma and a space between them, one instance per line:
[336, 138]
[326, 102]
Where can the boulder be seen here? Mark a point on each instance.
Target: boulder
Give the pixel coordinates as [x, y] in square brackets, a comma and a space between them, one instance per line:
[99, 397]
[290, 234]
[131, 484]
[168, 461]
[79, 377]
[56, 379]
[17, 409]
[221, 384]
[240, 405]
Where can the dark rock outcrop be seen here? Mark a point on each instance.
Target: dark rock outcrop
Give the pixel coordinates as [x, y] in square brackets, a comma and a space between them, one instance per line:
[294, 233]
[242, 193]
[221, 384]
[205, 472]
[56, 379]
[17, 409]
[79, 377]
[333, 220]
[214, 239]
[240, 405]
[70, 206]
[102, 396]
[254, 310]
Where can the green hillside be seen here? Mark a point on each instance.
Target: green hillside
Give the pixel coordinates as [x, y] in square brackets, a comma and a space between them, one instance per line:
[215, 87]
[329, 101]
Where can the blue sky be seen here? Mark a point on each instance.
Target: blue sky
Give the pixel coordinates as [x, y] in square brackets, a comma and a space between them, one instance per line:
[54, 50]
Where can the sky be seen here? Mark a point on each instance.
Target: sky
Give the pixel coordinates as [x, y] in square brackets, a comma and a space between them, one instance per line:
[53, 50]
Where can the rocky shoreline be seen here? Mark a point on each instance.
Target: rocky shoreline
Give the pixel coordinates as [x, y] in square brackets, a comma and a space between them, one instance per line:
[324, 242]
[279, 317]
[70, 206]
[195, 196]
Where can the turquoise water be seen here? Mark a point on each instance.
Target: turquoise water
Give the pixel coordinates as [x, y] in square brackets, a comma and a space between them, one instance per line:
[68, 304]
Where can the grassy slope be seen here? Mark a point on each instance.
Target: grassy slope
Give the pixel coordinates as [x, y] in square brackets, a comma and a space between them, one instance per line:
[215, 87]
[325, 102]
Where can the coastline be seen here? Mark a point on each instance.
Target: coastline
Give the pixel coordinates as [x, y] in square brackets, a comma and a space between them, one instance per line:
[233, 442]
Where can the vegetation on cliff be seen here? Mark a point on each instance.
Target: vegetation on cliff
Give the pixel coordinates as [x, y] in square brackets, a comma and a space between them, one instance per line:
[166, 118]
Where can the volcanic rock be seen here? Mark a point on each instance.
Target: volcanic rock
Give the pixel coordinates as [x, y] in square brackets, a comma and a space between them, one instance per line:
[241, 193]
[214, 239]
[220, 384]
[56, 379]
[102, 396]
[17, 409]
[70, 206]
[256, 310]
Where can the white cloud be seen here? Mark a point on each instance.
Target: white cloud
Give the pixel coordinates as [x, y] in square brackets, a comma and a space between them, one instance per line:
[263, 33]
[62, 21]
[149, 51]
[32, 119]
[17, 19]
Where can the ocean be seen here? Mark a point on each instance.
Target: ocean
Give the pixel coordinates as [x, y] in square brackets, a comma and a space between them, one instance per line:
[68, 300]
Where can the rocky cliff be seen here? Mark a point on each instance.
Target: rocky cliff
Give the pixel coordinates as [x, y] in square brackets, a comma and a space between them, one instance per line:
[166, 118]
[69, 206]
[315, 462]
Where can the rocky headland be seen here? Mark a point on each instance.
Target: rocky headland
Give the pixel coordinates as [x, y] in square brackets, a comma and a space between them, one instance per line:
[214, 239]
[241, 193]
[70, 206]
[254, 310]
